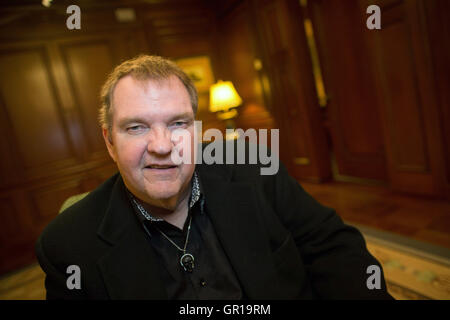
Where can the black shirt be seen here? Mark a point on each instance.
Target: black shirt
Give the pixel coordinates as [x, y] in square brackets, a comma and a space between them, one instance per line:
[212, 276]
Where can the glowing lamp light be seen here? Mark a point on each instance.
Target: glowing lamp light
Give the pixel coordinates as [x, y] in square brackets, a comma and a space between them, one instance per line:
[223, 98]
[47, 3]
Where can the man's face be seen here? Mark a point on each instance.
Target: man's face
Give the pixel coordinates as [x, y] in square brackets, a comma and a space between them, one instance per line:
[145, 113]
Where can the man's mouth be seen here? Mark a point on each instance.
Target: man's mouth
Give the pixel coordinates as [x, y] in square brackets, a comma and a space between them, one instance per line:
[160, 167]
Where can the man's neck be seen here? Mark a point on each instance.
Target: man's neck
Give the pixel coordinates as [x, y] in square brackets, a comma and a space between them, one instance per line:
[175, 214]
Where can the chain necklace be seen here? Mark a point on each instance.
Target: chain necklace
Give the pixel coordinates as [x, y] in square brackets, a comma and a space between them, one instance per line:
[187, 259]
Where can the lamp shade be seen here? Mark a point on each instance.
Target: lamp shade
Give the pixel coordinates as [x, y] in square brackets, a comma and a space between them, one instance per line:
[223, 96]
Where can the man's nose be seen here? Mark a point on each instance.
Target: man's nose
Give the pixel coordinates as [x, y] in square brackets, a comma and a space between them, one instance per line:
[160, 141]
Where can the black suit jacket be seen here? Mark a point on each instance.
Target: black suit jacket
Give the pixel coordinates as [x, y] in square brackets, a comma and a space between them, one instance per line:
[281, 243]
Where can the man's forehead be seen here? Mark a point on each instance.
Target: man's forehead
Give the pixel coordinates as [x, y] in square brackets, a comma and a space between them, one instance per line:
[129, 82]
[140, 94]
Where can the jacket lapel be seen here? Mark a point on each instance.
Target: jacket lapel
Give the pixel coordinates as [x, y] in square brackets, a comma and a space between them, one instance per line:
[129, 267]
[234, 213]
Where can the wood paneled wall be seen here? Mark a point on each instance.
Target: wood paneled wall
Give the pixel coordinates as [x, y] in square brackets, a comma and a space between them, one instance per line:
[386, 113]
[51, 143]
[50, 79]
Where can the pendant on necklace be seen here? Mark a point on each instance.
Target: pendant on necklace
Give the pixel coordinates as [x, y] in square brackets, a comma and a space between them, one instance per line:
[187, 262]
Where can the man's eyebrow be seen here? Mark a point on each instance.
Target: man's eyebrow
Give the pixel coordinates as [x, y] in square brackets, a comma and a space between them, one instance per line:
[185, 115]
[123, 122]
[126, 121]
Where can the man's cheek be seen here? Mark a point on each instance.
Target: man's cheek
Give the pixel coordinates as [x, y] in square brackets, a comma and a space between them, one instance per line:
[129, 159]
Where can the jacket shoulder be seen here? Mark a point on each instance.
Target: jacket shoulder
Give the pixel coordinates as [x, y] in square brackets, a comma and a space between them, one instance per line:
[78, 222]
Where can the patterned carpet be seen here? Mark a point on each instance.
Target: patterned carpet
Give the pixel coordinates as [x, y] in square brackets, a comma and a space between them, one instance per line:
[413, 270]
[25, 284]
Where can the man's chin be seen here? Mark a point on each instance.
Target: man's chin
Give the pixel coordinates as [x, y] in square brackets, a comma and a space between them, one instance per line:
[162, 192]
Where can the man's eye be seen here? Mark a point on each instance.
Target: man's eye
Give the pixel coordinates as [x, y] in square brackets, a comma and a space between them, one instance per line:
[178, 124]
[135, 129]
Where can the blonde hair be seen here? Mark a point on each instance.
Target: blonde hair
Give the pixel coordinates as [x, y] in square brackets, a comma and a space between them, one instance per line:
[143, 67]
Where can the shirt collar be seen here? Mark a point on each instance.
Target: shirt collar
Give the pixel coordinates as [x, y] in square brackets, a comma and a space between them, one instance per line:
[195, 190]
[143, 214]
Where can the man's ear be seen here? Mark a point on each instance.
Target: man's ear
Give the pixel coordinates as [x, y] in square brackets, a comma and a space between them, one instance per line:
[109, 143]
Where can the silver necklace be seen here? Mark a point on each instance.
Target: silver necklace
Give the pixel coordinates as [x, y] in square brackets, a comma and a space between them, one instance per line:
[187, 259]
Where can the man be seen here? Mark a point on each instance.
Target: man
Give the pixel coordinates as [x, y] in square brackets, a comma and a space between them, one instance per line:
[165, 230]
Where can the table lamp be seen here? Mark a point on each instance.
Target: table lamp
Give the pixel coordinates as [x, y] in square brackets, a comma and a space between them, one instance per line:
[224, 100]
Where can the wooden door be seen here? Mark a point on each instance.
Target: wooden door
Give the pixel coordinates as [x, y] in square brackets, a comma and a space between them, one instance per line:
[352, 109]
[382, 108]
[409, 108]
[303, 145]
